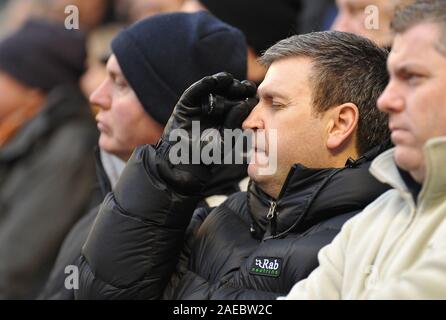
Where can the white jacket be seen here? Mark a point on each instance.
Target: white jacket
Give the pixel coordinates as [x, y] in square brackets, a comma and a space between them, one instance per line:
[394, 249]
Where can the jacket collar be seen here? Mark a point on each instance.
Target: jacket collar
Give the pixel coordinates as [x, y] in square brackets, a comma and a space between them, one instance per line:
[385, 170]
[310, 196]
[273, 216]
[62, 103]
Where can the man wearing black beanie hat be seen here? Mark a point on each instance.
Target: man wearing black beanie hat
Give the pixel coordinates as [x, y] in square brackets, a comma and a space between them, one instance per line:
[46, 130]
[152, 63]
[157, 59]
[188, 47]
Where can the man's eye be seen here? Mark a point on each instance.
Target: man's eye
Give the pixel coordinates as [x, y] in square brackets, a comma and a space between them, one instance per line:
[121, 84]
[412, 78]
[354, 11]
[277, 106]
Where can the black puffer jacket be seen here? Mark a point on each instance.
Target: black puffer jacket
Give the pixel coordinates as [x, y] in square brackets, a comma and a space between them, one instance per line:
[224, 183]
[144, 244]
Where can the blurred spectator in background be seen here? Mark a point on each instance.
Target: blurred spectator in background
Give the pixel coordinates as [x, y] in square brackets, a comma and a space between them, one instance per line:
[119, 13]
[152, 63]
[46, 134]
[98, 48]
[266, 22]
[13, 14]
[134, 10]
[124, 12]
[352, 18]
[316, 15]
[91, 13]
[263, 22]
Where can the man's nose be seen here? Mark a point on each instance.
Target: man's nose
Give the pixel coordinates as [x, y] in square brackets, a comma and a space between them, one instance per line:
[390, 100]
[254, 120]
[101, 97]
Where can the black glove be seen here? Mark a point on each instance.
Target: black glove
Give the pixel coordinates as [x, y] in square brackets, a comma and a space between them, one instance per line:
[215, 102]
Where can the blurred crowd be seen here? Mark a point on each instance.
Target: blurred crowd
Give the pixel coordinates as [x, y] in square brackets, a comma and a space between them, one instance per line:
[75, 104]
[46, 186]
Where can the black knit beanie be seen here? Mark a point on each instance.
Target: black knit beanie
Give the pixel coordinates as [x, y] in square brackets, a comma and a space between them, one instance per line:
[44, 54]
[264, 22]
[163, 55]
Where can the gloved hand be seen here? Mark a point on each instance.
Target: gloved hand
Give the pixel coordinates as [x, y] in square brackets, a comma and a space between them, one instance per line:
[215, 102]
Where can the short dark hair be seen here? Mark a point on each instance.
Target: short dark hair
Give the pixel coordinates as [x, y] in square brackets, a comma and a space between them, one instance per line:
[346, 68]
[422, 11]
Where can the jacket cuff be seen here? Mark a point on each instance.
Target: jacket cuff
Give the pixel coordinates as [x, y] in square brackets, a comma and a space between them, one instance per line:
[142, 193]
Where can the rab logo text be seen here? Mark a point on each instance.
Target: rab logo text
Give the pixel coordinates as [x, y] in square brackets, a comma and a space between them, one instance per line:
[270, 267]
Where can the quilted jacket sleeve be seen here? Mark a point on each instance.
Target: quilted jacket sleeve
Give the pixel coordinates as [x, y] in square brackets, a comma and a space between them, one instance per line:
[135, 243]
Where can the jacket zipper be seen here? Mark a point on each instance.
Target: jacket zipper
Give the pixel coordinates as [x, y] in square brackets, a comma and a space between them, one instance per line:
[272, 212]
[272, 217]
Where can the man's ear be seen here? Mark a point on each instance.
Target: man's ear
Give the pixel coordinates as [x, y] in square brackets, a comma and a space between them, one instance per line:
[342, 126]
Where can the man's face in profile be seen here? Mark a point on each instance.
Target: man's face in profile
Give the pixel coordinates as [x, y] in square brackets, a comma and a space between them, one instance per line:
[286, 108]
[415, 98]
[122, 121]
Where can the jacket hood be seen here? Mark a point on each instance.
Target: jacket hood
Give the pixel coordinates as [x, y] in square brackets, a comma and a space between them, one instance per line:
[310, 196]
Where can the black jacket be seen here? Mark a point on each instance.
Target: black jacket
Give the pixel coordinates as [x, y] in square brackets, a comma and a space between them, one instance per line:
[146, 244]
[224, 183]
[46, 183]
